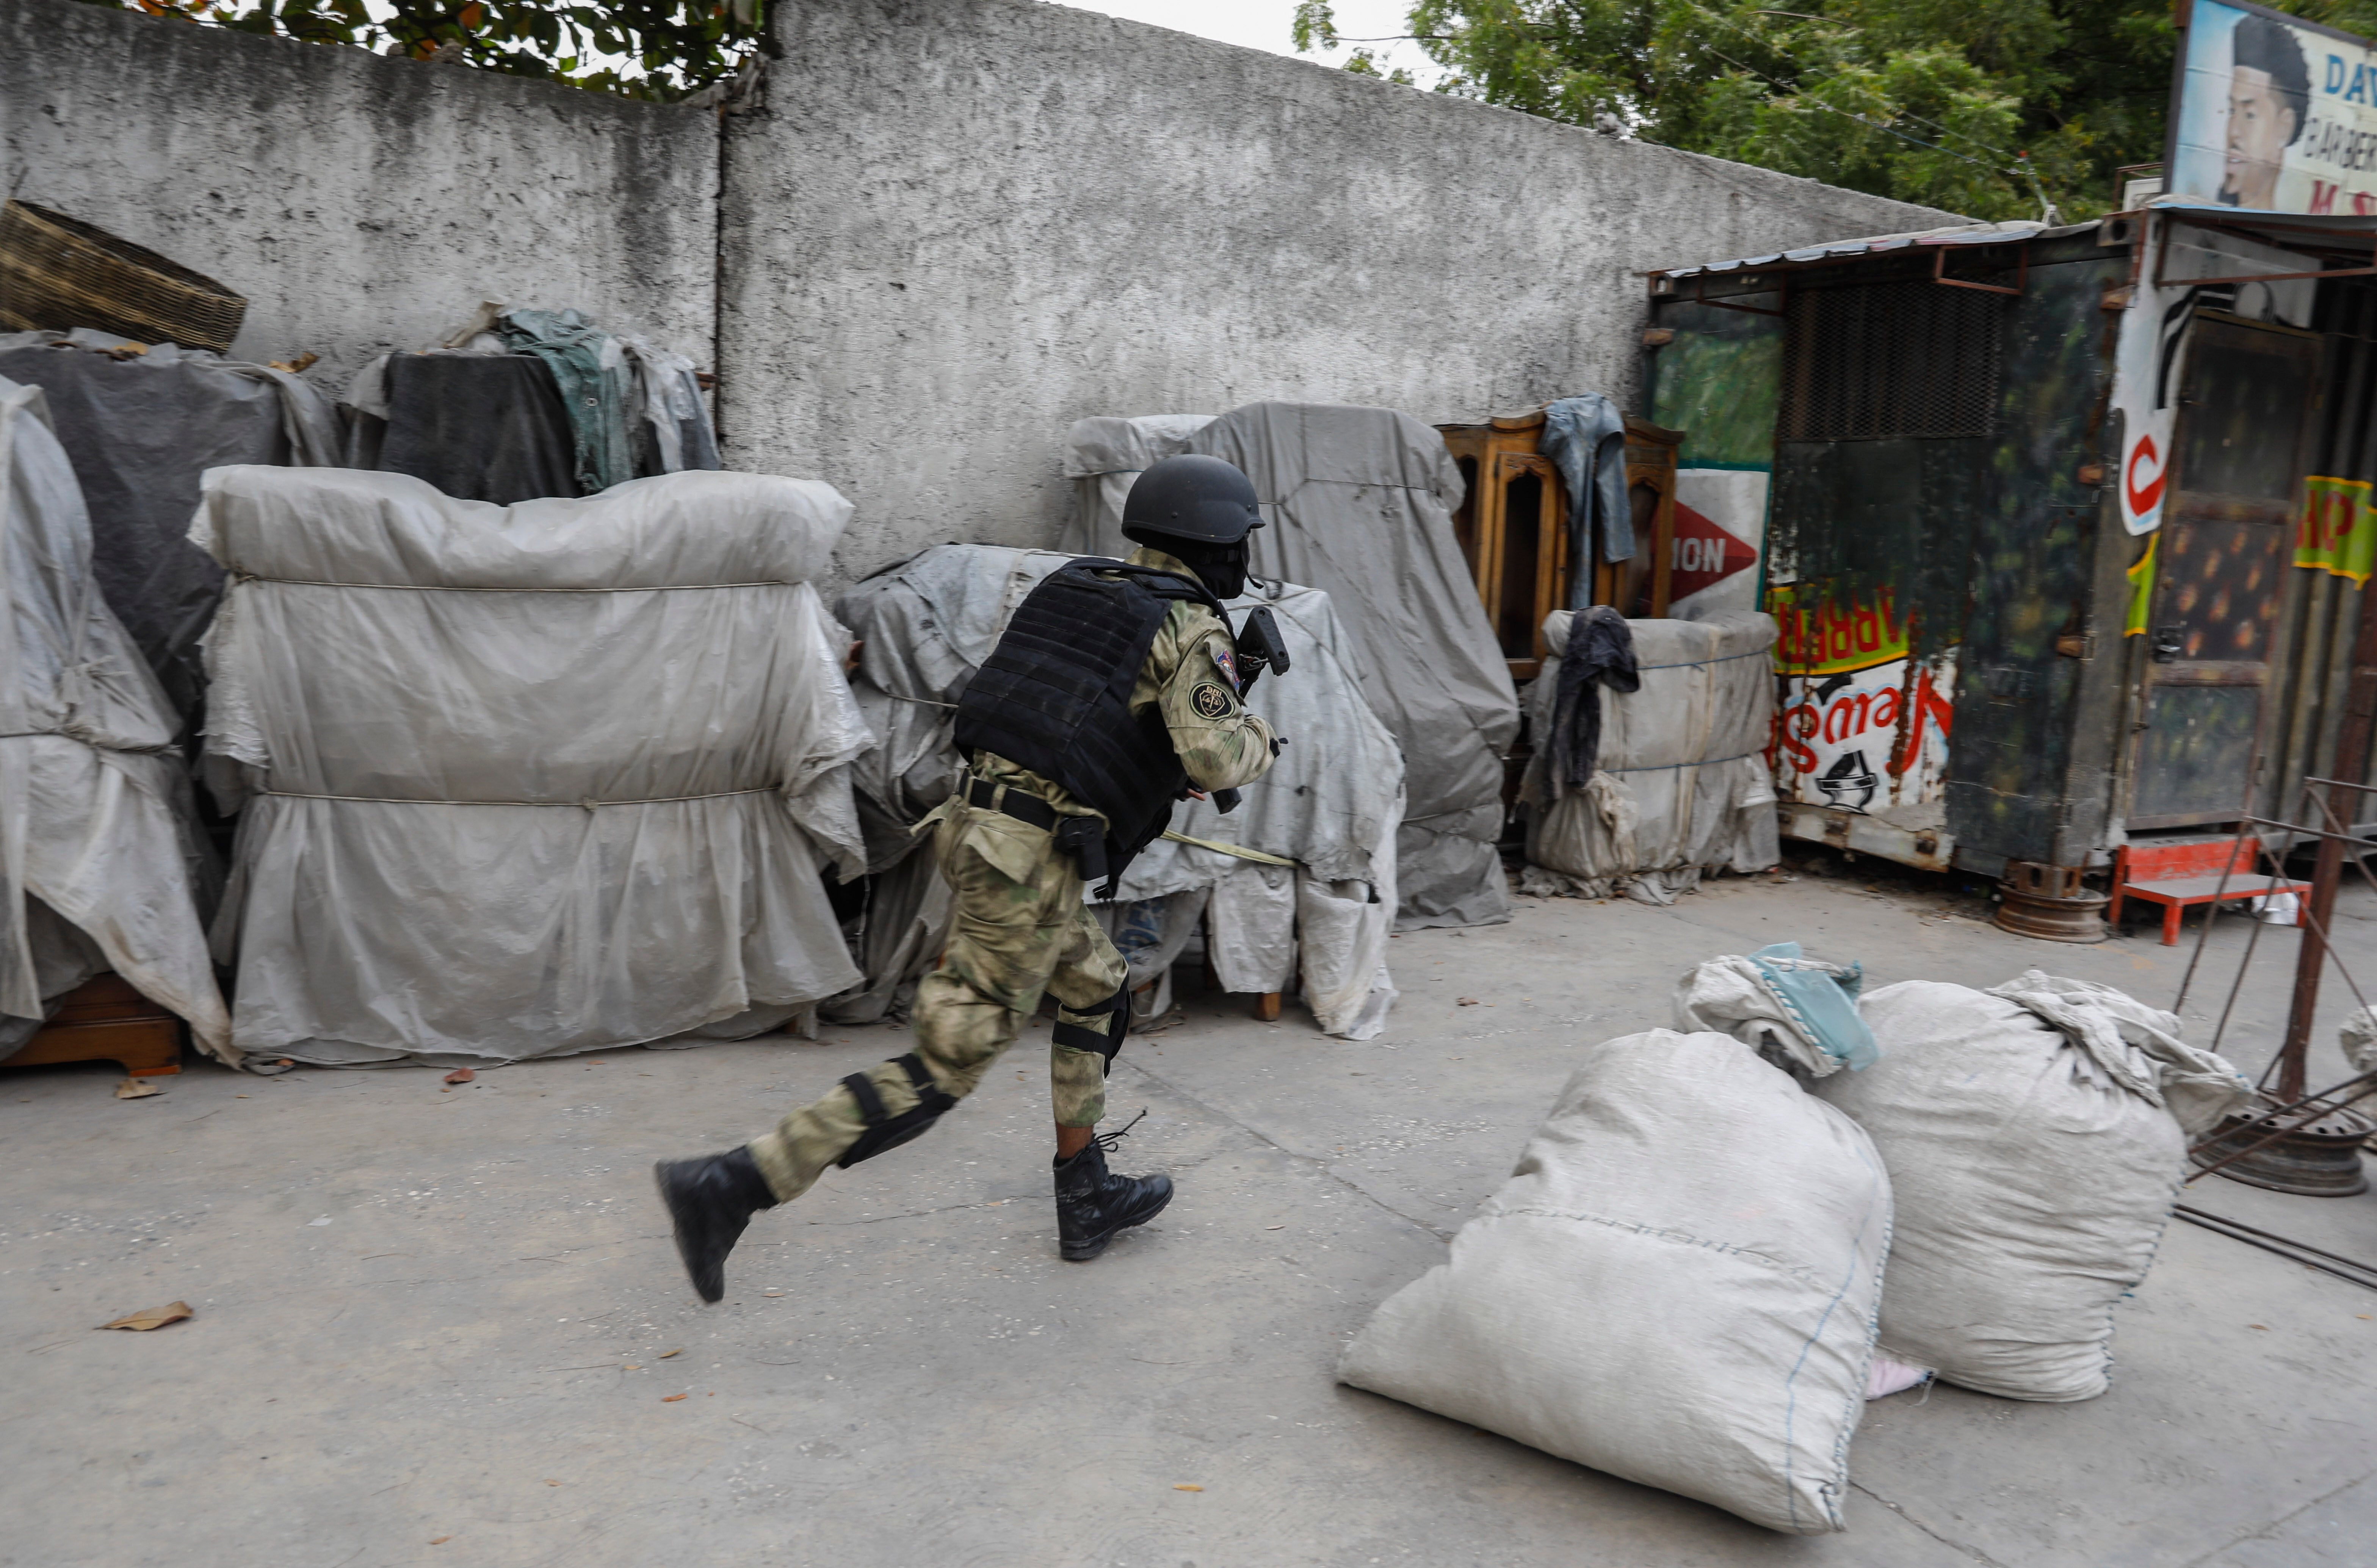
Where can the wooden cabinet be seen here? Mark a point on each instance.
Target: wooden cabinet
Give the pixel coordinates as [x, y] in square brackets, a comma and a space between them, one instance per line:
[105, 1020]
[1513, 529]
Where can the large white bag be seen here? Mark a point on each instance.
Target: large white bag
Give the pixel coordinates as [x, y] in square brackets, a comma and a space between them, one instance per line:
[1677, 1286]
[2035, 1135]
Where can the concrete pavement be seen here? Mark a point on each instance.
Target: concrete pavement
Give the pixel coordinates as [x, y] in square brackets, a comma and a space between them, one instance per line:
[433, 1325]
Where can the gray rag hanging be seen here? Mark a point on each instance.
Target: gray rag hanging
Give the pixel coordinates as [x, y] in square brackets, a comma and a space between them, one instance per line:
[1585, 438]
[1600, 653]
[590, 367]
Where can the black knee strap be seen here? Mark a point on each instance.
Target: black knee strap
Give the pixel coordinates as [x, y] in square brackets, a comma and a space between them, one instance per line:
[885, 1131]
[1106, 1042]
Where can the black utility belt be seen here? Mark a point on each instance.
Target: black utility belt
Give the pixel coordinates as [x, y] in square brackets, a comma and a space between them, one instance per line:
[1084, 838]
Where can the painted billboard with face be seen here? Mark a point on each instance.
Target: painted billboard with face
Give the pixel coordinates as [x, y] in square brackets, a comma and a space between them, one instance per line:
[2274, 115]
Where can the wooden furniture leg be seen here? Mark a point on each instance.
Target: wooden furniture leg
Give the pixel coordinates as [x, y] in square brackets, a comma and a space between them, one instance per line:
[1267, 1007]
[2171, 913]
[105, 1020]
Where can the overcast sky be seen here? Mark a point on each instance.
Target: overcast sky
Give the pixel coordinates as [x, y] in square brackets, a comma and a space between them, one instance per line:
[1263, 24]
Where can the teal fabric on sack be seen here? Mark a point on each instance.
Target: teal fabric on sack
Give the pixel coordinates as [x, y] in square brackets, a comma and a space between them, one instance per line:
[1821, 1000]
[597, 387]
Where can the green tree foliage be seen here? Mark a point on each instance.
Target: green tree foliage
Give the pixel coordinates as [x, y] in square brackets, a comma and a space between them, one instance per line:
[663, 50]
[1991, 108]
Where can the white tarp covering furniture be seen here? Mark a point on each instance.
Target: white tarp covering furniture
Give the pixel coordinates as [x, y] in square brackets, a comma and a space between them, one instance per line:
[100, 864]
[1676, 1284]
[1681, 784]
[1331, 802]
[1358, 503]
[526, 781]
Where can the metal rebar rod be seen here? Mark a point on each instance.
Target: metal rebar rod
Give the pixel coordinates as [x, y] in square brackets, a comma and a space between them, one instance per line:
[2253, 940]
[2203, 933]
[2274, 1236]
[2341, 783]
[2283, 1247]
[2312, 833]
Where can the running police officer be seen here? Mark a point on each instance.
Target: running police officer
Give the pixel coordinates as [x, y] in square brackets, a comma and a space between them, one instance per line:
[1116, 689]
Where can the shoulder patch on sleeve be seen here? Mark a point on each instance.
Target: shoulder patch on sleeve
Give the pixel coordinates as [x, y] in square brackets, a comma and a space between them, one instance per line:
[1208, 700]
[1228, 664]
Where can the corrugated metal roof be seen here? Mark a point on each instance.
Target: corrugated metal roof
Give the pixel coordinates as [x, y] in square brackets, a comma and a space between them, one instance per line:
[1840, 250]
[2278, 224]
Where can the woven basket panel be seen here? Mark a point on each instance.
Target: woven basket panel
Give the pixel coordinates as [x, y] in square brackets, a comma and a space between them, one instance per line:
[57, 273]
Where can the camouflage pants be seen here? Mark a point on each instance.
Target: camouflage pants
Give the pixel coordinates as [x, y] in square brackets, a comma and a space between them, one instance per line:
[1020, 930]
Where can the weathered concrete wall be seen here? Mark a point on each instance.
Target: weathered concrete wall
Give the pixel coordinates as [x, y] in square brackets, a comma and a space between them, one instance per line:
[959, 225]
[360, 203]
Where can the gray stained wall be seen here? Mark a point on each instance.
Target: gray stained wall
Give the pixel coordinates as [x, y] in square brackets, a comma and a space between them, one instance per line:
[959, 225]
[360, 203]
[951, 228]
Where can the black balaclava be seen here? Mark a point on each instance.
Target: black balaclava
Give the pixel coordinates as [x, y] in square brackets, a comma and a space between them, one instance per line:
[1221, 567]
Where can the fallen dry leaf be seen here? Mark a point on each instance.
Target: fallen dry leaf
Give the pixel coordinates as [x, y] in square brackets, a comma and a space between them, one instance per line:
[631, 1367]
[1467, 1001]
[2264, 1327]
[1187, 1486]
[155, 1317]
[461, 1075]
[1275, 1228]
[439, 1541]
[551, 1482]
[671, 1398]
[666, 1354]
[134, 1089]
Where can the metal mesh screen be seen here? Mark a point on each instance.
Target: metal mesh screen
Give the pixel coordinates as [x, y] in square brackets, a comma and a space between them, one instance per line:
[1911, 358]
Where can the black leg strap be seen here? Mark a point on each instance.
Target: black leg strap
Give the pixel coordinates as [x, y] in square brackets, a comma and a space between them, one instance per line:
[887, 1131]
[1106, 1042]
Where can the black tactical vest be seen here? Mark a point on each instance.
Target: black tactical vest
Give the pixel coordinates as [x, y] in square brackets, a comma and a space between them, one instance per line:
[1055, 696]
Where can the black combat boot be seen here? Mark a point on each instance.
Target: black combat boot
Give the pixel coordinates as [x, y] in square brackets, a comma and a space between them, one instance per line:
[709, 1200]
[1092, 1204]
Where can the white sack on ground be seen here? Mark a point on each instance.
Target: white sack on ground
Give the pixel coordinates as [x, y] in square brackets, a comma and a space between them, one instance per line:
[1676, 1284]
[2034, 1135]
[1358, 503]
[100, 861]
[526, 781]
[1330, 802]
[1682, 786]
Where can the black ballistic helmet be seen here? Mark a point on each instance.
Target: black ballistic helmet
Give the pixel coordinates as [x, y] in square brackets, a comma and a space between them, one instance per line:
[1201, 499]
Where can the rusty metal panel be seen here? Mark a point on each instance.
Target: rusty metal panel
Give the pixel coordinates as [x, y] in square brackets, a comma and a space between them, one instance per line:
[2324, 609]
[2016, 776]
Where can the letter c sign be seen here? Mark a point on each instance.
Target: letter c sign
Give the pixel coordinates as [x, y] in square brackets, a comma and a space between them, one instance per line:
[2142, 479]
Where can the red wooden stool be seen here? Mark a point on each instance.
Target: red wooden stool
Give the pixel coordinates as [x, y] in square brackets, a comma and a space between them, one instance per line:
[2176, 875]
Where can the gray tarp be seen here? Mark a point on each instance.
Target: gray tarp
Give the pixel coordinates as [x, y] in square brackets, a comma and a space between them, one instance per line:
[518, 405]
[100, 867]
[1682, 786]
[526, 780]
[1331, 802]
[1101, 457]
[1359, 505]
[140, 429]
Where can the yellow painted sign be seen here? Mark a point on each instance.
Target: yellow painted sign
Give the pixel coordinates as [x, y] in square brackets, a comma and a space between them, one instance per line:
[1822, 636]
[2338, 531]
[2141, 580]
